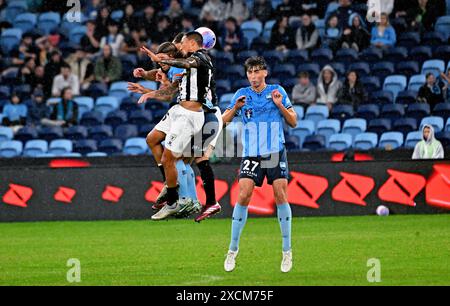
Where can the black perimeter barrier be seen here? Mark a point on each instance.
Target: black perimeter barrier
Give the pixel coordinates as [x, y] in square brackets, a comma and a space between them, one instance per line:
[123, 188]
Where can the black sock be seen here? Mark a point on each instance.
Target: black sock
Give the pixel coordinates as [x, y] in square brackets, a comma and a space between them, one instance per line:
[172, 196]
[161, 168]
[207, 174]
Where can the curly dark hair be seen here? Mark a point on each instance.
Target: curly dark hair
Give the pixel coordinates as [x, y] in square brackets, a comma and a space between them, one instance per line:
[256, 62]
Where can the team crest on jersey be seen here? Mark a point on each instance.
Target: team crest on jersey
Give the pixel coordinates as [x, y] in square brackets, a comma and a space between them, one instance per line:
[248, 113]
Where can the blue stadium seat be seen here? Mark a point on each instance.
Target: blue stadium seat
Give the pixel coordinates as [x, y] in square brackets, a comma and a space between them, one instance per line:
[116, 118]
[436, 122]
[12, 10]
[284, 71]
[11, 148]
[304, 128]
[76, 34]
[368, 112]
[317, 113]
[46, 155]
[342, 112]
[119, 90]
[371, 83]
[10, 39]
[320, 26]
[140, 117]
[106, 105]
[25, 134]
[292, 143]
[354, 127]
[85, 104]
[416, 81]
[6, 133]
[322, 56]
[60, 147]
[382, 97]
[406, 97]
[405, 125]
[314, 142]
[9, 76]
[96, 90]
[442, 110]
[397, 54]
[327, 128]
[223, 59]
[5, 92]
[129, 62]
[144, 130]
[434, 66]
[97, 154]
[379, 126]
[407, 68]
[443, 53]
[48, 22]
[297, 56]
[421, 54]
[26, 21]
[92, 118]
[111, 146]
[300, 110]
[268, 26]
[412, 139]
[371, 55]
[391, 140]
[434, 39]
[365, 141]
[312, 69]
[51, 133]
[76, 133]
[418, 111]
[392, 111]
[447, 126]
[222, 87]
[361, 68]
[242, 56]
[252, 29]
[135, 146]
[339, 68]
[340, 142]
[100, 132]
[35, 147]
[234, 72]
[346, 56]
[395, 84]
[126, 131]
[238, 84]
[85, 146]
[383, 69]
[409, 39]
[444, 138]
[117, 15]
[273, 57]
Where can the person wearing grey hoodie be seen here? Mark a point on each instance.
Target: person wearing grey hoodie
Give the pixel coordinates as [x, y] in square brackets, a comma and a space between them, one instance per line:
[429, 147]
[328, 86]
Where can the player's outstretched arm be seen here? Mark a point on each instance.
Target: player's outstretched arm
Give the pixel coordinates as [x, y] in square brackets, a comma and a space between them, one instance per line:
[184, 63]
[166, 94]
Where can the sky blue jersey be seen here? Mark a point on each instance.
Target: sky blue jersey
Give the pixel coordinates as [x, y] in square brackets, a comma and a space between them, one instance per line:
[262, 132]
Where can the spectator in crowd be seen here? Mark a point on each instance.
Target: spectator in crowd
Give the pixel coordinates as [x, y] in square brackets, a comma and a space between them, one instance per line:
[52, 69]
[102, 21]
[65, 79]
[114, 39]
[446, 89]
[92, 7]
[429, 147]
[310, 7]
[82, 68]
[65, 112]
[148, 20]
[134, 41]
[187, 24]
[352, 92]
[233, 38]
[38, 79]
[304, 93]
[90, 42]
[38, 109]
[129, 20]
[283, 37]
[27, 48]
[307, 37]
[213, 10]
[238, 10]
[175, 10]
[383, 35]
[15, 113]
[287, 8]
[356, 36]
[422, 15]
[26, 72]
[343, 12]
[332, 33]
[431, 92]
[262, 10]
[108, 68]
[328, 86]
[163, 30]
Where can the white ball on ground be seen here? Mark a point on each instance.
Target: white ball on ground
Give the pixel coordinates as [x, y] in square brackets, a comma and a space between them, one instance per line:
[209, 37]
[382, 211]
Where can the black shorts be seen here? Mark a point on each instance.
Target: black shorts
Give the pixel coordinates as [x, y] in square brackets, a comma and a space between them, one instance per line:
[251, 168]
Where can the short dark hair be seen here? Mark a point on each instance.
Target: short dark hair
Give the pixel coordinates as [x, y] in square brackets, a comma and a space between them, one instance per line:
[65, 65]
[429, 74]
[177, 39]
[304, 74]
[255, 61]
[195, 36]
[168, 48]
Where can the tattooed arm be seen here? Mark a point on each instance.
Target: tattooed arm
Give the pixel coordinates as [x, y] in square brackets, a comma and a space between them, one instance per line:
[165, 94]
[185, 63]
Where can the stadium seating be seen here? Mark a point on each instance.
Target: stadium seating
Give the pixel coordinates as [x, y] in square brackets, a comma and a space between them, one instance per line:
[11, 148]
[35, 147]
[340, 142]
[391, 140]
[327, 128]
[442, 110]
[10, 39]
[436, 122]
[354, 127]
[304, 128]
[47, 22]
[368, 112]
[60, 147]
[25, 134]
[314, 142]
[85, 146]
[393, 111]
[444, 138]
[26, 21]
[405, 125]
[366, 141]
[107, 104]
[6, 133]
[433, 66]
[317, 113]
[92, 118]
[126, 131]
[85, 104]
[395, 84]
[76, 133]
[379, 126]
[342, 112]
[418, 111]
[100, 132]
[412, 139]
[111, 146]
[135, 146]
[51, 133]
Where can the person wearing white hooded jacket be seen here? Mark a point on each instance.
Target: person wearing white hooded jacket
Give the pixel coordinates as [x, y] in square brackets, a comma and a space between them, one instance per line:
[429, 147]
[328, 86]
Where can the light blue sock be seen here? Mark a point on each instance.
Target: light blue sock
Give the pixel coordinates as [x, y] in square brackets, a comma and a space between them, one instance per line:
[240, 215]
[191, 183]
[182, 179]
[285, 219]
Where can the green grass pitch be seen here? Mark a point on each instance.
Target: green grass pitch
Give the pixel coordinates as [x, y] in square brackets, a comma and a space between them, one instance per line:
[413, 250]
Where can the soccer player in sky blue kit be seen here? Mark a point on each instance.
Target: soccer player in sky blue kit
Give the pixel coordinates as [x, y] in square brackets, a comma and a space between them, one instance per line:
[262, 108]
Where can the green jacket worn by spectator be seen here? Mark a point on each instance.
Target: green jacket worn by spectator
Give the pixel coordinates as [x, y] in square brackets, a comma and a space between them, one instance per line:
[110, 68]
